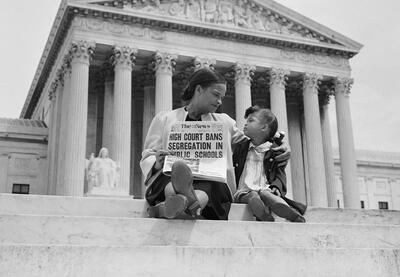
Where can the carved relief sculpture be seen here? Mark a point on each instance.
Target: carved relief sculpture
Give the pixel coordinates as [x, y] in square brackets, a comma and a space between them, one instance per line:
[240, 13]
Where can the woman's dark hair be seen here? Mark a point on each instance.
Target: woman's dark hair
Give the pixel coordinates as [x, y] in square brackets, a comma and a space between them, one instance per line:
[204, 77]
[267, 116]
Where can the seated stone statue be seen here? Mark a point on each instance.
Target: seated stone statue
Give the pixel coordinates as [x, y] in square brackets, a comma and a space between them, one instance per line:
[103, 172]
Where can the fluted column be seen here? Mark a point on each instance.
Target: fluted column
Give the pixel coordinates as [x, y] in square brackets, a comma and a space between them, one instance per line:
[351, 194]
[328, 154]
[316, 168]
[296, 157]
[75, 137]
[108, 115]
[164, 64]
[243, 75]
[148, 102]
[54, 97]
[62, 125]
[122, 59]
[278, 77]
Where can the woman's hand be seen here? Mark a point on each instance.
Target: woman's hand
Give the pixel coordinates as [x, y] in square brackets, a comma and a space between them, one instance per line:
[276, 191]
[282, 153]
[160, 157]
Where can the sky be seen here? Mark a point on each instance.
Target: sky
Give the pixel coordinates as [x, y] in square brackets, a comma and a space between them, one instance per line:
[375, 95]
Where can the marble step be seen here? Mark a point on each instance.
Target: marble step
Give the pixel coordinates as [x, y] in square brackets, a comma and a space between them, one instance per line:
[99, 261]
[91, 231]
[136, 208]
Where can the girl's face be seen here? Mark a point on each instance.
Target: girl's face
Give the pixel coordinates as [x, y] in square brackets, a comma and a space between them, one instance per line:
[254, 127]
[210, 98]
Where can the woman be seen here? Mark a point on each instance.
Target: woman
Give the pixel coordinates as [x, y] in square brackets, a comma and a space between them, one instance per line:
[170, 196]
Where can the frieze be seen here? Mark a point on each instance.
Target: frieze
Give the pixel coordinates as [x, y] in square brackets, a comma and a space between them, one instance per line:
[232, 13]
[92, 24]
[314, 59]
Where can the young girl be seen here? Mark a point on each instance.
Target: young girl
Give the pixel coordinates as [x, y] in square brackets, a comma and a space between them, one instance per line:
[261, 182]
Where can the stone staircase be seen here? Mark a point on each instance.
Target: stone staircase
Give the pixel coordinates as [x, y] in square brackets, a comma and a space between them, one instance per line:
[67, 236]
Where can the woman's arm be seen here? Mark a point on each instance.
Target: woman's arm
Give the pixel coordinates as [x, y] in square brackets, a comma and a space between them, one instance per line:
[152, 144]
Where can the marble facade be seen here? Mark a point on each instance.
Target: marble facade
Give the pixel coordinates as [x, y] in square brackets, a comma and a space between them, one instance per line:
[109, 66]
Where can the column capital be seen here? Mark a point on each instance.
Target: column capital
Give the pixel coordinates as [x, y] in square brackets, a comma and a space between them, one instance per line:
[311, 81]
[244, 72]
[278, 76]
[164, 63]
[343, 85]
[123, 56]
[81, 51]
[201, 62]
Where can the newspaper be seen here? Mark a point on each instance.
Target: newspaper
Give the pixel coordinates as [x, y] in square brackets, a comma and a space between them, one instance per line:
[202, 145]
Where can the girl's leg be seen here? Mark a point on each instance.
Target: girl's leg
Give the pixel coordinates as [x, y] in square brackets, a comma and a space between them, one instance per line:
[201, 196]
[280, 207]
[257, 206]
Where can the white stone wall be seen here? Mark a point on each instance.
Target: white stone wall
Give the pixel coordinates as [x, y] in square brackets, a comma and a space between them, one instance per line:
[376, 184]
[23, 163]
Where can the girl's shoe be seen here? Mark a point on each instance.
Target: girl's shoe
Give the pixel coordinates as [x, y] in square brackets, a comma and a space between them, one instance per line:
[287, 212]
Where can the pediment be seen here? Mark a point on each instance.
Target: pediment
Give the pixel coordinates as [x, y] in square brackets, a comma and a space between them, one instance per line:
[259, 16]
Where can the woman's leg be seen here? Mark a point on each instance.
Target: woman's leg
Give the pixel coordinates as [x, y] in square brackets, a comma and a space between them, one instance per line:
[182, 183]
[256, 205]
[280, 207]
[173, 206]
[219, 199]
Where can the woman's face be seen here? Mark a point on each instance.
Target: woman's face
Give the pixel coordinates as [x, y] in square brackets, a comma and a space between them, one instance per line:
[210, 98]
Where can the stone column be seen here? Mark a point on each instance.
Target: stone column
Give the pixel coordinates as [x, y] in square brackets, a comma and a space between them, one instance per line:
[75, 137]
[243, 75]
[108, 115]
[351, 194]
[122, 60]
[148, 102]
[62, 124]
[296, 157]
[51, 141]
[316, 168]
[164, 64]
[278, 77]
[328, 154]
